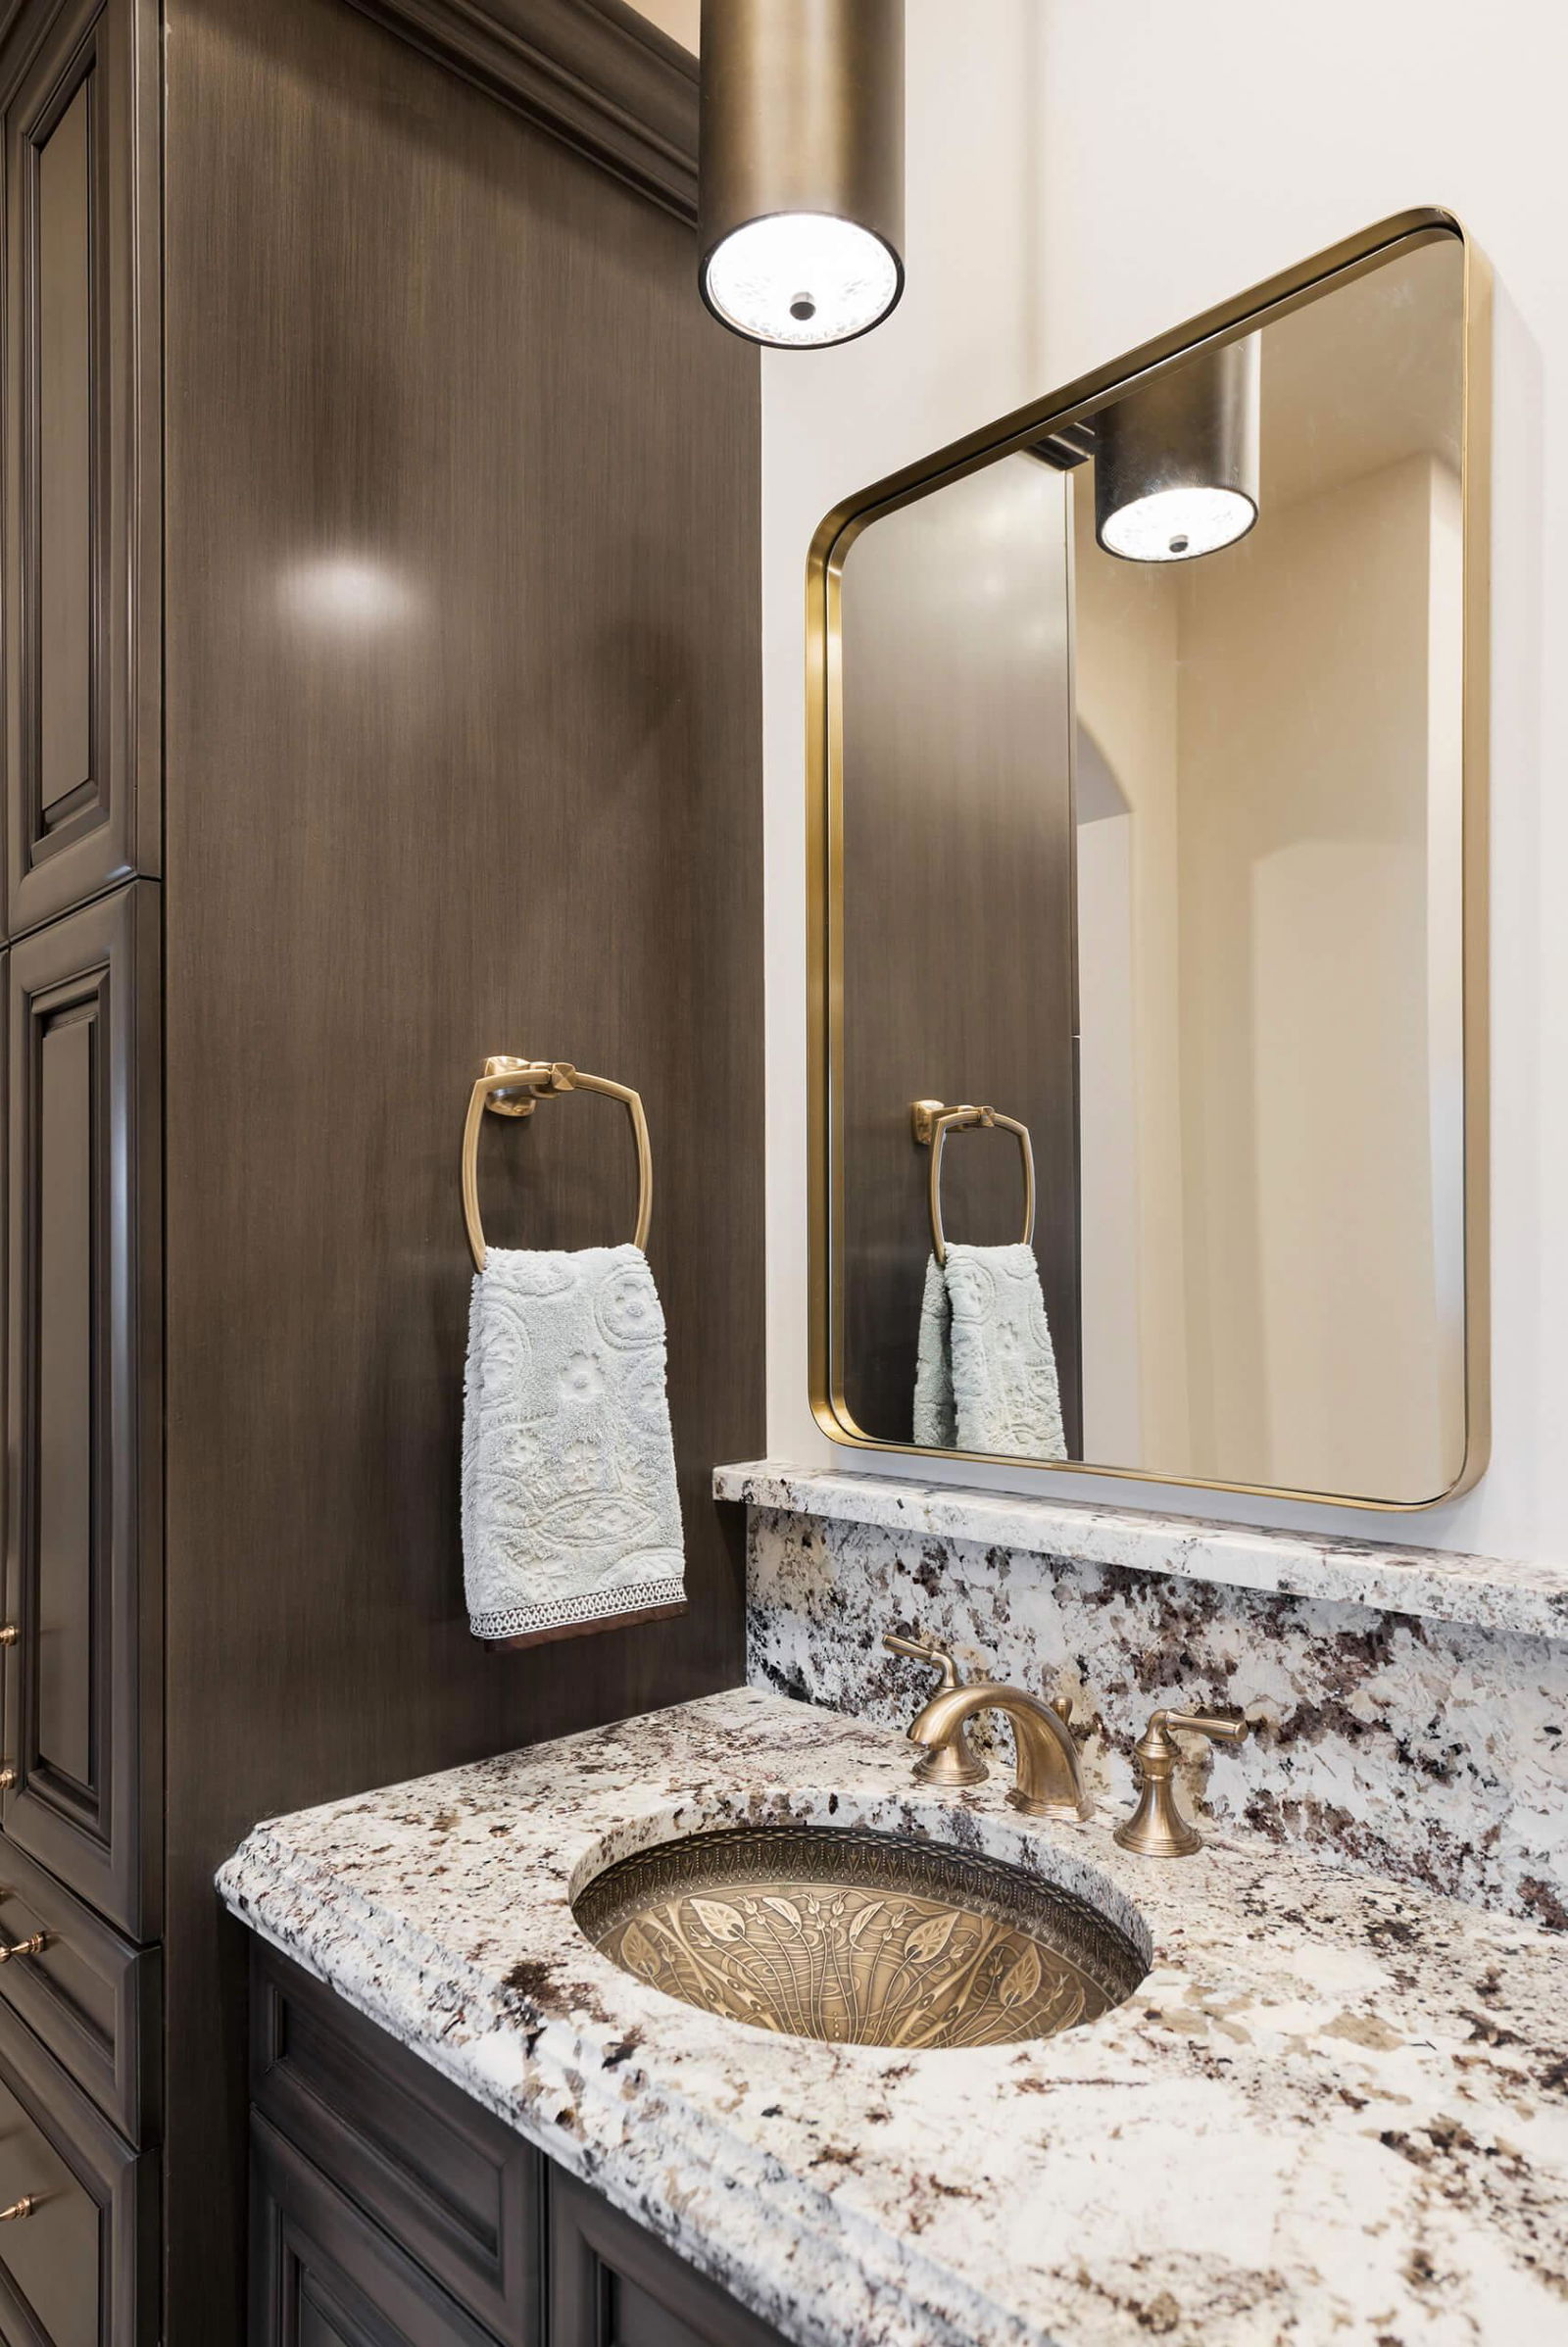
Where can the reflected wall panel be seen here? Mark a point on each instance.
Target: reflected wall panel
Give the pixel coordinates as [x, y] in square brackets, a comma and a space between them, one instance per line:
[958, 966]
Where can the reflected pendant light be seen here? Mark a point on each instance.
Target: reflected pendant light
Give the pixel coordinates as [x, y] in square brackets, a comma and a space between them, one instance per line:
[1176, 463]
[801, 211]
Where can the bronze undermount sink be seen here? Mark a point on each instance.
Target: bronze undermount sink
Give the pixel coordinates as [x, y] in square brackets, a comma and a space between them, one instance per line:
[858, 1937]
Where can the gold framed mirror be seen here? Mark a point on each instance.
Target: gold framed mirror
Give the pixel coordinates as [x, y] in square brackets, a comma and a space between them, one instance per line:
[1146, 737]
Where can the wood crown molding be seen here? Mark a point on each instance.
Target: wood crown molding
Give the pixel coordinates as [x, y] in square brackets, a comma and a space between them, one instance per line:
[593, 72]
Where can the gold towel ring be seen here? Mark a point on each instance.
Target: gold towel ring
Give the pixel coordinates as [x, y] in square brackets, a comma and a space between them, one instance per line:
[511, 1087]
[932, 1124]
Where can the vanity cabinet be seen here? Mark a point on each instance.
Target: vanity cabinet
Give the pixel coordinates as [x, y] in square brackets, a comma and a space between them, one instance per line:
[388, 2209]
[430, 2169]
[319, 613]
[612, 2284]
[325, 2276]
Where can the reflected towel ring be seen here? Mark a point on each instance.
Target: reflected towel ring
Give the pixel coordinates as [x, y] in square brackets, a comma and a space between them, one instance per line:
[932, 1123]
[512, 1087]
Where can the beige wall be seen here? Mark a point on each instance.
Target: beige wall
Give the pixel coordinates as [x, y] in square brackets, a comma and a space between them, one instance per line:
[1282, 723]
[680, 19]
[1126, 668]
[1315, 1316]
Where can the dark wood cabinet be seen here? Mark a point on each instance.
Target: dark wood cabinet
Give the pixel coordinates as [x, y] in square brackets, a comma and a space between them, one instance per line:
[321, 2275]
[78, 2261]
[90, 1996]
[80, 455]
[368, 2171]
[612, 2284]
[83, 1588]
[438, 2175]
[380, 692]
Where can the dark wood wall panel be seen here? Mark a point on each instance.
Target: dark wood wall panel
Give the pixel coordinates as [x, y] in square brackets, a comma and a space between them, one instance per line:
[464, 756]
[81, 519]
[600, 73]
[960, 974]
[83, 1293]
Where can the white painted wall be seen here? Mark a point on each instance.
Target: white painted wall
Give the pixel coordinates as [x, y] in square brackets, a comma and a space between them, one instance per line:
[1081, 177]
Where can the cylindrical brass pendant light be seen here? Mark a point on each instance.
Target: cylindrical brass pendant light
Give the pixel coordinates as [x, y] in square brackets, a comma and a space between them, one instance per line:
[802, 167]
[1176, 462]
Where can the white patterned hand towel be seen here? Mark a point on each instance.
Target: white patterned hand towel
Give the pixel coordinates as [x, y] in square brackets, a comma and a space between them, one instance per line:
[986, 1369]
[571, 1517]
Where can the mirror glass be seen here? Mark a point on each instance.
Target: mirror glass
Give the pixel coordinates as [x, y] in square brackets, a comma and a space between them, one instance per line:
[1159, 859]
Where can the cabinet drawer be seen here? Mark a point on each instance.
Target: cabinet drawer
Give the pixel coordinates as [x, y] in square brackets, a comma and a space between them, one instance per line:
[80, 2270]
[612, 2284]
[91, 1998]
[321, 2275]
[458, 2190]
[83, 1300]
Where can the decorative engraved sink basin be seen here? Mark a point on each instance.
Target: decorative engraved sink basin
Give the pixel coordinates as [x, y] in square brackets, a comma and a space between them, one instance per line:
[858, 1937]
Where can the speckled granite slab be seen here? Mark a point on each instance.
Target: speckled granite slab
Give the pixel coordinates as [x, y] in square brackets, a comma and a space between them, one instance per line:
[1427, 1750]
[1485, 1593]
[1333, 2110]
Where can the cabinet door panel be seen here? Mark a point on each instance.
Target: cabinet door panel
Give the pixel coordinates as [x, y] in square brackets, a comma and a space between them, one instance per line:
[83, 1298]
[462, 2192]
[80, 456]
[62, 255]
[612, 2284]
[323, 2275]
[69, 1042]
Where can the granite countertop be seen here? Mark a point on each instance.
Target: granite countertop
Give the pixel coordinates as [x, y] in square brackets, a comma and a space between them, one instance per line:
[1334, 2111]
[1440, 1585]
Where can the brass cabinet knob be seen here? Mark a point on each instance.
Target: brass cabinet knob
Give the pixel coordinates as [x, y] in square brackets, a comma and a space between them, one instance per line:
[23, 1947]
[8, 1777]
[1157, 1828]
[20, 2208]
[9, 1633]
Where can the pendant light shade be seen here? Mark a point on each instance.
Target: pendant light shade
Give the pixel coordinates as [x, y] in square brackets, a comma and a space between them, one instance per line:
[802, 167]
[1176, 463]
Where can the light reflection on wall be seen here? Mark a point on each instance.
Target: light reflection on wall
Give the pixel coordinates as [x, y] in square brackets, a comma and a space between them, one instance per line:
[347, 595]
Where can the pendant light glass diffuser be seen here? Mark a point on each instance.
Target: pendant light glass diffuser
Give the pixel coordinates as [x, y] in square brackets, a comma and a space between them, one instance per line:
[802, 167]
[1176, 463]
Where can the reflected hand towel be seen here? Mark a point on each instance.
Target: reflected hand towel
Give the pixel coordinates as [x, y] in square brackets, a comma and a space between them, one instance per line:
[571, 1515]
[986, 1368]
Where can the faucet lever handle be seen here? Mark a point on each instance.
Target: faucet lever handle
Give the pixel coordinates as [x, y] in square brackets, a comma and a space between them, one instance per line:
[955, 1761]
[1220, 1729]
[927, 1650]
[1157, 1828]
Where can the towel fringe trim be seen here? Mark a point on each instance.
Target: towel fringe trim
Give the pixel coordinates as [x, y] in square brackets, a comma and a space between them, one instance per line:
[590, 1609]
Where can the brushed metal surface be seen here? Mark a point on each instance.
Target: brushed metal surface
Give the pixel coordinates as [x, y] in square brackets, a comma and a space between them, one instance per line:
[857, 1937]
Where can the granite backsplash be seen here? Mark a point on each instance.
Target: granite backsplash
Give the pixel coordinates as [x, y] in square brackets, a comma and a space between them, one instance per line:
[1425, 1751]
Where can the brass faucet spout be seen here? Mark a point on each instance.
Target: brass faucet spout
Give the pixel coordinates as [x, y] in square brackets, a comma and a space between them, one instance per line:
[1049, 1780]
